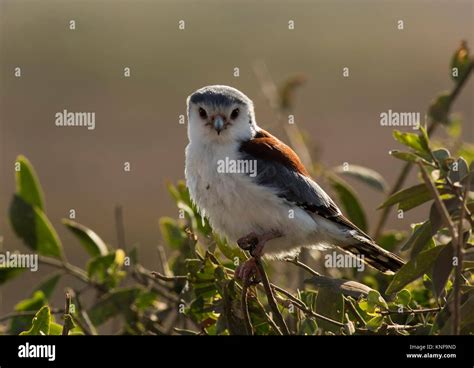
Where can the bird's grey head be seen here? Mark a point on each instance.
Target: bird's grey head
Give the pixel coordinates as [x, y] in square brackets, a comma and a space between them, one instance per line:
[220, 114]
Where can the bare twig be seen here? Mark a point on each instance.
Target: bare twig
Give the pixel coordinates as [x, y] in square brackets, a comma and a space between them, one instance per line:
[70, 269]
[302, 265]
[67, 316]
[8, 316]
[271, 299]
[355, 312]
[408, 311]
[144, 277]
[245, 310]
[167, 278]
[300, 305]
[271, 322]
[162, 258]
[82, 318]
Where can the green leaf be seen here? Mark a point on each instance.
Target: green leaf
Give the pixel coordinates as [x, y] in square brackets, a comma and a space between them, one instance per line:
[40, 323]
[375, 323]
[349, 202]
[330, 304]
[439, 109]
[375, 298]
[441, 156]
[146, 299]
[442, 269]
[32, 304]
[33, 227]
[97, 267]
[229, 251]
[107, 269]
[467, 314]
[414, 269]
[405, 156]
[346, 287]
[93, 244]
[172, 234]
[425, 140]
[414, 141]
[27, 183]
[112, 304]
[55, 329]
[421, 234]
[180, 194]
[8, 273]
[364, 174]
[458, 170]
[422, 238]
[308, 327]
[233, 322]
[411, 197]
[403, 297]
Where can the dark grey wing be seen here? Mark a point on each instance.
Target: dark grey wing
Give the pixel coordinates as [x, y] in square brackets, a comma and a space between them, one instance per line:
[299, 190]
[279, 168]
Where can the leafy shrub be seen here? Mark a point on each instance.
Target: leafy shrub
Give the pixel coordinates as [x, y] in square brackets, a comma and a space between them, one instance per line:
[195, 291]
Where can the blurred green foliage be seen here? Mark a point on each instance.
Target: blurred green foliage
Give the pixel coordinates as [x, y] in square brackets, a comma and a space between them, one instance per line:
[194, 291]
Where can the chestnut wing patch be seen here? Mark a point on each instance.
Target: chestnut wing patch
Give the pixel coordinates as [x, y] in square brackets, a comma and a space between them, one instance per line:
[267, 147]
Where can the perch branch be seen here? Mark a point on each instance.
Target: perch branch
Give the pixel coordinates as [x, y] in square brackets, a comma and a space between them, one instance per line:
[245, 310]
[271, 299]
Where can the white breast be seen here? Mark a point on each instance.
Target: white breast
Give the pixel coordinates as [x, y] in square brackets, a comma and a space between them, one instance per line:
[236, 206]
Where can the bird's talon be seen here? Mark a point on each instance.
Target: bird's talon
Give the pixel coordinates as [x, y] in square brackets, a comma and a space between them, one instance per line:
[248, 272]
[248, 242]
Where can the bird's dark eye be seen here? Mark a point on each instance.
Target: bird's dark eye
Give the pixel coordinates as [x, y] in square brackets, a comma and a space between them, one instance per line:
[234, 114]
[202, 113]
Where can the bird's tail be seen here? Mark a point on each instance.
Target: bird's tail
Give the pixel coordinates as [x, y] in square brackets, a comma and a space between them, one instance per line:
[375, 256]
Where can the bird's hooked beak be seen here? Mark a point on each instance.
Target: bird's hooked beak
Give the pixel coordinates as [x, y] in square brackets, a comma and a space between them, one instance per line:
[218, 123]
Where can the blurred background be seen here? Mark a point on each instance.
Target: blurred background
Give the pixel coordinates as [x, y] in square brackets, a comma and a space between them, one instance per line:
[137, 117]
